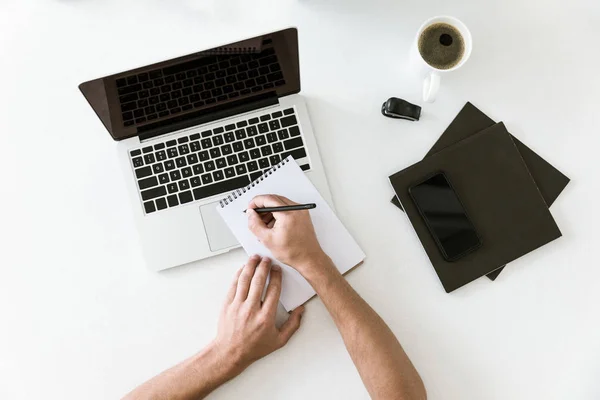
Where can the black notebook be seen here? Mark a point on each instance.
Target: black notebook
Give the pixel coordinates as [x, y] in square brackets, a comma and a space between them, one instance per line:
[470, 121]
[500, 196]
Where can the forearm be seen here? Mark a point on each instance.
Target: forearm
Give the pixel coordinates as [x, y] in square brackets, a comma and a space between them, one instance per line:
[383, 365]
[194, 378]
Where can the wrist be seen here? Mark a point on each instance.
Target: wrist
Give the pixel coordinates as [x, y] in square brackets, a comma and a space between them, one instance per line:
[318, 269]
[225, 363]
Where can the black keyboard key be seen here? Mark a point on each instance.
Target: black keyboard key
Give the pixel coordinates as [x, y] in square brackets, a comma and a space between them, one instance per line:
[206, 179]
[172, 104]
[169, 165]
[143, 172]
[137, 162]
[143, 95]
[288, 121]
[218, 175]
[163, 113]
[148, 85]
[226, 150]
[274, 125]
[198, 169]
[121, 82]
[294, 131]
[149, 207]
[183, 139]
[192, 159]
[252, 166]
[255, 175]
[252, 121]
[149, 194]
[271, 137]
[253, 73]
[195, 181]
[249, 143]
[275, 159]
[186, 172]
[221, 162]
[238, 146]
[277, 147]
[266, 150]
[195, 136]
[195, 146]
[149, 159]
[240, 169]
[186, 197]
[206, 143]
[185, 103]
[242, 124]
[265, 117]
[275, 76]
[232, 160]
[152, 117]
[184, 149]
[215, 152]
[203, 155]
[239, 85]
[161, 203]
[252, 131]
[263, 128]
[297, 154]
[261, 80]
[172, 188]
[305, 167]
[173, 201]
[218, 130]
[283, 134]
[184, 185]
[240, 134]
[140, 120]
[129, 106]
[159, 82]
[138, 113]
[180, 162]
[229, 137]
[130, 89]
[206, 96]
[147, 182]
[264, 163]
[224, 186]
[230, 127]
[155, 74]
[243, 156]
[260, 140]
[218, 140]
[206, 133]
[229, 172]
[158, 168]
[293, 143]
[128, 97]
[172, 152]
[254, 154]
[127, 115]
[277, 114]
[288, 111]
[163, 178]
[175, 175]
[209, 165]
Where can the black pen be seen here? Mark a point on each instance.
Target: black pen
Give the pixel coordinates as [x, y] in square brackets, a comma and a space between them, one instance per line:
[285, 208]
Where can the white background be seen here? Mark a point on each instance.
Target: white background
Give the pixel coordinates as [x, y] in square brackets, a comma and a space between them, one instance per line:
[82, 318]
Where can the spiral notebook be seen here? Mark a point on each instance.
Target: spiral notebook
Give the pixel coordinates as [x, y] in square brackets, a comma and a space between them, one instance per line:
[287, 179]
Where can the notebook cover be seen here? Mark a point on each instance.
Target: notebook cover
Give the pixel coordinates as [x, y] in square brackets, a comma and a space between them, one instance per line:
[469, 121]
[499, 195]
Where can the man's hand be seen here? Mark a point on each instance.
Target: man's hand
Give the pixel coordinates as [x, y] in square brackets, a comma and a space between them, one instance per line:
[290, 236]
[247, 330]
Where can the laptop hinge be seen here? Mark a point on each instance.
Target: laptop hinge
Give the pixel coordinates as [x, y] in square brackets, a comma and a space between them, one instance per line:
[204, 116]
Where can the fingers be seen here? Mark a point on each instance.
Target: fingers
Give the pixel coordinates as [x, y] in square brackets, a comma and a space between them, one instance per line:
[245, 279]
[233, 288]
[271, 223]
[273, 290]
[256, 225]
[266, 200]
[285, 200]
[259, 281]
[291, 325]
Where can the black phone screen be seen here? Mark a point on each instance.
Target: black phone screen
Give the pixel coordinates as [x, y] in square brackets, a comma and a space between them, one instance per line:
[445, 217]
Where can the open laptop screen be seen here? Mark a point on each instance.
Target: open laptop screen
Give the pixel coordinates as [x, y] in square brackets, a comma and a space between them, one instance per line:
[194, 87]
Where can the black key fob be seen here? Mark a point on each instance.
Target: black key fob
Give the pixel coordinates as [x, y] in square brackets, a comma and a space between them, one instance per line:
[401, 109]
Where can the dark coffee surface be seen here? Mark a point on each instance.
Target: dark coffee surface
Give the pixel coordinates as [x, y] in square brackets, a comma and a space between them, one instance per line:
[441, 46]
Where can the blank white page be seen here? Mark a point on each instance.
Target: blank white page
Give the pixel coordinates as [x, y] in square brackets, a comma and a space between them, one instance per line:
[287, 179]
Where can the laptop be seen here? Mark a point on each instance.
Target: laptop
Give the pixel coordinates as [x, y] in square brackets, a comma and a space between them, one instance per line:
[195, 128]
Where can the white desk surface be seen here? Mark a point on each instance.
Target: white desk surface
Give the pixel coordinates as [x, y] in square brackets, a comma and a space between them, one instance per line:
[82, 317]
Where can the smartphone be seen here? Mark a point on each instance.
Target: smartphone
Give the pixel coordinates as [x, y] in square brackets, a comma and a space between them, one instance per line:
[445, 217]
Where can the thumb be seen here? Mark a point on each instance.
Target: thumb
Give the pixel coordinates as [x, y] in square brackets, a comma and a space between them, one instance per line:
[291, 325]
[256, 225]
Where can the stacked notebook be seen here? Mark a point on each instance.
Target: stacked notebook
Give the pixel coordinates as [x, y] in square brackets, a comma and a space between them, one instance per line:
[505, 187]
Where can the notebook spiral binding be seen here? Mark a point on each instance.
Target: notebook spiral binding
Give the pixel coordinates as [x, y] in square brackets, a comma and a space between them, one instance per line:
[238, 192]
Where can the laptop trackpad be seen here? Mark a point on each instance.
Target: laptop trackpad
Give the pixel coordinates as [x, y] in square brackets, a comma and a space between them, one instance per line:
[219, 235]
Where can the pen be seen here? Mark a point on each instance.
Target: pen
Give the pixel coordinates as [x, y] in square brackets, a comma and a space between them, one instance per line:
[285, 208]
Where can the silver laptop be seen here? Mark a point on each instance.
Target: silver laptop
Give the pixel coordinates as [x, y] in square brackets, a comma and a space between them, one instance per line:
[195, 128]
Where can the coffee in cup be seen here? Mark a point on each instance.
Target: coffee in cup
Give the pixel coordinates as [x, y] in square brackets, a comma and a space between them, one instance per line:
[441, 45]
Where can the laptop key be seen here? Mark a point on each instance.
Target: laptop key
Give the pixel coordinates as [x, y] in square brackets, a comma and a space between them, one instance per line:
[137, 162]
[149, 207]
[244, 156]
[277, 114]
[215, 152]
[288, 121]
[163, 178]
[206, 143]
[184, 184]
[271, 137]
[206, 179]
[263, 128]
[283, 134]
[249, 143]
[226, 150]
[229, 137]
[149, 194]
[293, 143]
[195, 181]
[220, 187]
[172, 200]
[180, 162]
[254, 154]
[255, 175]
[264, 163]
[172, 188]
[172, 152]
[195, 146]
[277, 147]
[192, 159]
[203, 155]
[161, 155]
[186, 197]
[161, 203]
[252, 131]
[265, 117]
[198, 169]
[143, 172]
[186, 172]
[266, 150]
[252, 166]
[275, 159]
[149, 159]
[184, 149]
[240, 134]
[147, 182]
[232, 159]
[297, 154]
[260, 140]
[221, 163]
[288, 111]
[218, 140]
[238, 146]
[274, 125]
[209, 165]
[218, 175]
[229, 172]
[157, 168]
[294, 131]
[240, 169]
[169, 165]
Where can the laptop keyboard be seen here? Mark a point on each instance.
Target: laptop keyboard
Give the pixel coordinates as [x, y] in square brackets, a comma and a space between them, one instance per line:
[190, 85]
[215, 161]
